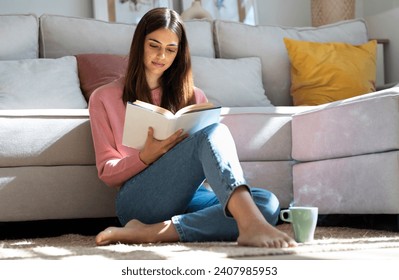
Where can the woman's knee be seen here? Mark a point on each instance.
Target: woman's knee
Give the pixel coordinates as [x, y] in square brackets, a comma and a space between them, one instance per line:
[220, 137]
[217, 129]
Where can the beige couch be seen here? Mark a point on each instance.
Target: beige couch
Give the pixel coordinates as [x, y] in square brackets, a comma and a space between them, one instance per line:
[342, 156]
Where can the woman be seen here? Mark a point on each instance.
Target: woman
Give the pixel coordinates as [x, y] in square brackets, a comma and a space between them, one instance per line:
[161, 197]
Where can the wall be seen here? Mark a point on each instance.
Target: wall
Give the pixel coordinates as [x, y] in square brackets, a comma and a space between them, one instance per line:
[376, 7]
[384, 24]
[80, 8]
[287, 12]
[292, 12]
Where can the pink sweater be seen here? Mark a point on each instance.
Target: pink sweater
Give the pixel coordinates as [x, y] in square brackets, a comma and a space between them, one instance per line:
[116, 163]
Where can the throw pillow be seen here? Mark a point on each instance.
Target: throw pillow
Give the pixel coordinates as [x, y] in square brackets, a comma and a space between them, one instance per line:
[327, 72]
[40, 84]
[96, 70]
[230, 82]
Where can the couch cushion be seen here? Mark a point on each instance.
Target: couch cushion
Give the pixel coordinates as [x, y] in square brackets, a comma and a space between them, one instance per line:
[54, 192]
[96, 70]
[45, 138]
[274, 176]
[327, 72]
[235, 40]
[200, 37]
[40, 84]
[367, 184]
[360, 125]
[269, 129]
[19, 37]
[63, 35]
[230, 82]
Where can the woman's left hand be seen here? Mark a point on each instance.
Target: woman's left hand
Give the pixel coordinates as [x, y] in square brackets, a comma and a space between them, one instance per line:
[154, 149]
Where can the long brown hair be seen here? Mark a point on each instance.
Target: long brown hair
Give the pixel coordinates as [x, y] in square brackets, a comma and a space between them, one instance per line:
[177, 81]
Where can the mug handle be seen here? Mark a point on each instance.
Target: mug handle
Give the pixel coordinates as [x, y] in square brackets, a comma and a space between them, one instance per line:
[289, 217]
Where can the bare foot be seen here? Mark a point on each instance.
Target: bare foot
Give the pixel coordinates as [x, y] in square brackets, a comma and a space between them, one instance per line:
[265, 235]
[135, 232]
[253, 228]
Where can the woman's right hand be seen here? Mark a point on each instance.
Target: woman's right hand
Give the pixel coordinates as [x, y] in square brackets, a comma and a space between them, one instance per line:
[153, 149]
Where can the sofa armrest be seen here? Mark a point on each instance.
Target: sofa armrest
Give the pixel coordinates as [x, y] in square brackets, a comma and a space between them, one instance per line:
[390, 91]
[360, 125]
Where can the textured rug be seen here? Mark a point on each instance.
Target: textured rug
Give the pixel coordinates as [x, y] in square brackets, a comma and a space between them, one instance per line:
[72, 246]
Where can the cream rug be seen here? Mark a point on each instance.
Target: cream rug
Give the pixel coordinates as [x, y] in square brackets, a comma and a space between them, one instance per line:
[72, 246]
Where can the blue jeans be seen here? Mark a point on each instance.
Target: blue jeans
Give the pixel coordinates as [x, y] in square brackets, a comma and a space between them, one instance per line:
[172, 189]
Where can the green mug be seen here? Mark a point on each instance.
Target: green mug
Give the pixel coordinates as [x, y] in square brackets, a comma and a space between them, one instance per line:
[303, 220]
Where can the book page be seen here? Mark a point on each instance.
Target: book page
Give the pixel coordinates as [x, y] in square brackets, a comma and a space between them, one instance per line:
[154, 108]
[194, 121]
[169, 114]
[194, 108]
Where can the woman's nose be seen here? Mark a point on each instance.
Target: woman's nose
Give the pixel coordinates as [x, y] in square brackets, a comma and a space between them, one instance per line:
[161, 53]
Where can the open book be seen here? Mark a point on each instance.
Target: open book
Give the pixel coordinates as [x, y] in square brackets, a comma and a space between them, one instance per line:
[141, 115]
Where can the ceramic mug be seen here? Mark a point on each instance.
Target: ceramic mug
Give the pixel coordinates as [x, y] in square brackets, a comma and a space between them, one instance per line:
[303, 220]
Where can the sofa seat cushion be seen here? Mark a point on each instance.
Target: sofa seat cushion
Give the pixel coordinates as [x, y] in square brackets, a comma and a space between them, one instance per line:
[367, 184]
[360, 125]
[54, 192]
[45, 137]
[64, 35]
[235, 40]
[19, 37]
[274, 176]
[261, 133]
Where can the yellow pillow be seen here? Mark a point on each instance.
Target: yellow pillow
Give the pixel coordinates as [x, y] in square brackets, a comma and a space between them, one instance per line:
[327, 72]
